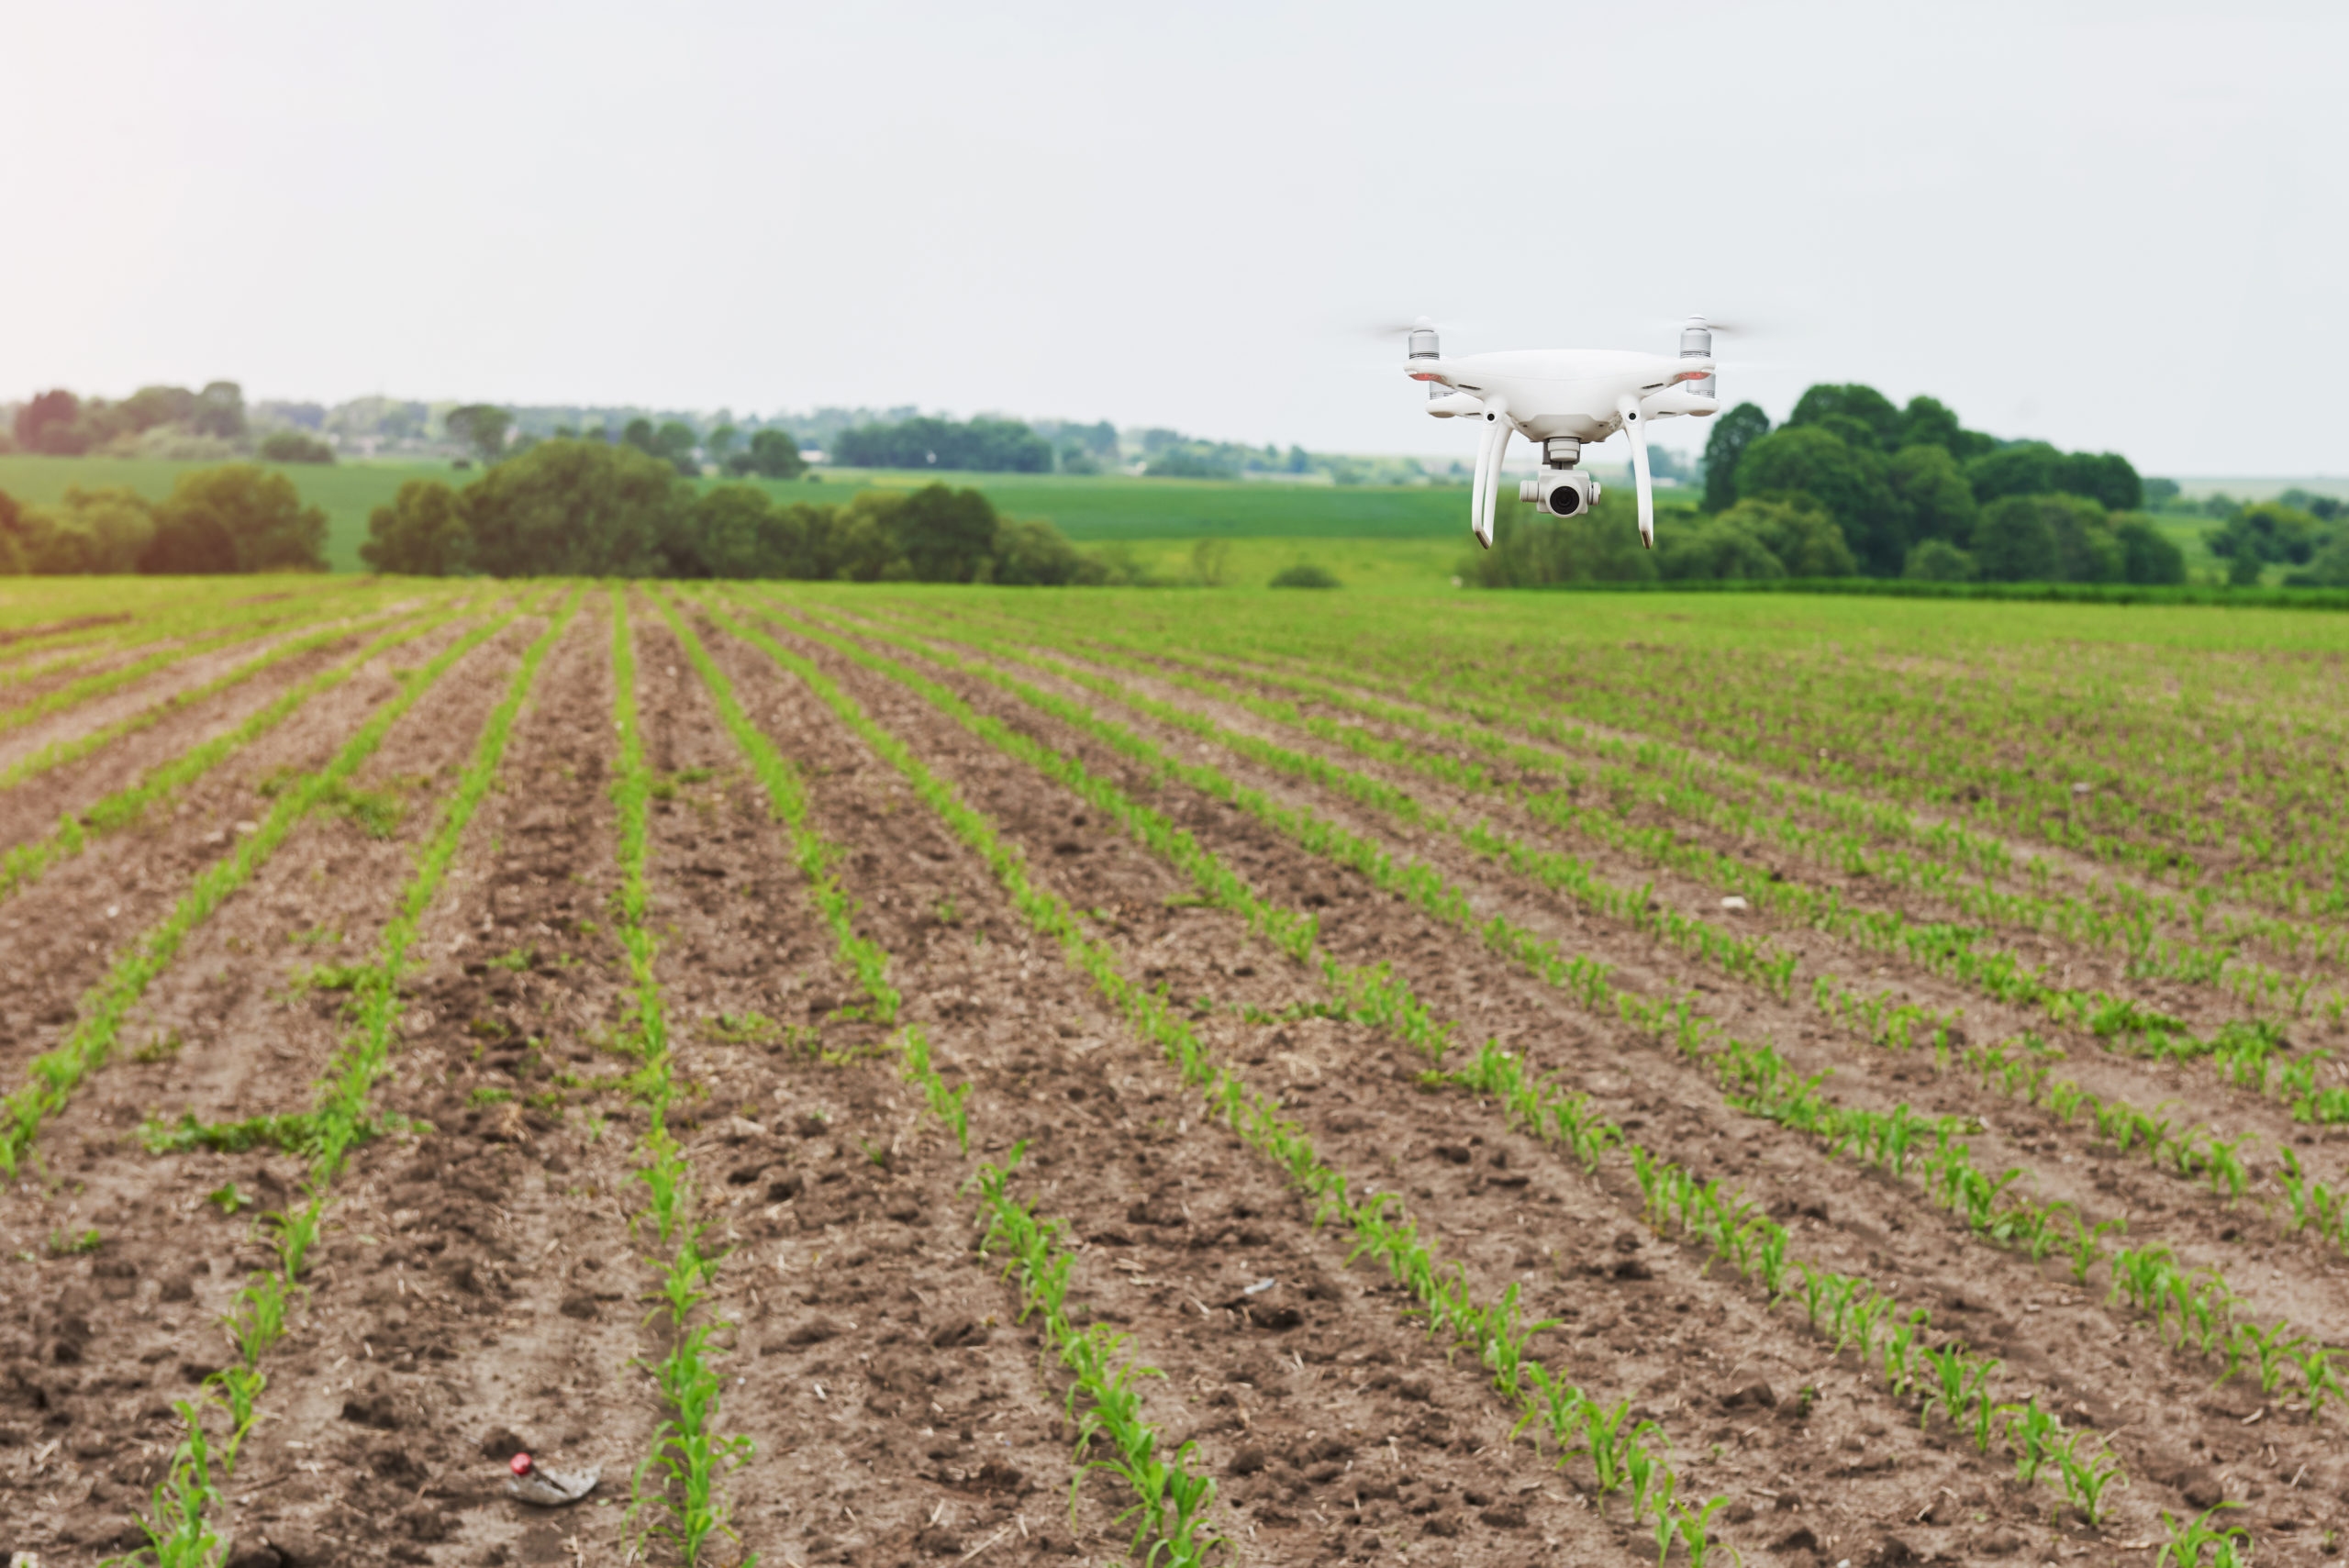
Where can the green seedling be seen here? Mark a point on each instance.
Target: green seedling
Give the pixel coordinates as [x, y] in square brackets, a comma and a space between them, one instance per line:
[2189, 1540]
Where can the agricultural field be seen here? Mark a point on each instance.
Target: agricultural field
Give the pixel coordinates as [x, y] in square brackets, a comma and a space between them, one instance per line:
[937, 1075]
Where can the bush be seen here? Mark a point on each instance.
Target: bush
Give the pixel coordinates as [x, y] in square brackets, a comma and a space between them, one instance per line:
[106, 530]
[1724, 546]
[1033, 554]
[1799, 534]
[421, 534]
[2013, 542]
[1532, 548]
[238, 518]
[1938, 561]
[1304, 574]
[2147, 555]
[569, 509]
[294, 446]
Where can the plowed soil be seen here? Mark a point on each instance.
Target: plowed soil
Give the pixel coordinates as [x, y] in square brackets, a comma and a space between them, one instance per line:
[486, 1283]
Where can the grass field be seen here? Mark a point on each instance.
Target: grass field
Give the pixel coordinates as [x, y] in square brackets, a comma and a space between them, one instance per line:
[1543, 1080]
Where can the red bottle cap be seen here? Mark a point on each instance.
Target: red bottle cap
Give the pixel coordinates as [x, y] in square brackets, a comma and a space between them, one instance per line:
[520, 1463]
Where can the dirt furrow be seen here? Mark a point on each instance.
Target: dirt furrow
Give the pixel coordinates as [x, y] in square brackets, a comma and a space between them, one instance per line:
[1875, 1226]
[57, 936]
[1639, 1320]
[1333, 1423]
[123, 1258]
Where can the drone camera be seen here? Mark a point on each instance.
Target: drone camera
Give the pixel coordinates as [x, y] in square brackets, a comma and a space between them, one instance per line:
[1561, 492]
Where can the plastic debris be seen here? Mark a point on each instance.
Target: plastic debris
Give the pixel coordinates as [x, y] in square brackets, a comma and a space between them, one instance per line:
[1733, 902]
[534, 1483]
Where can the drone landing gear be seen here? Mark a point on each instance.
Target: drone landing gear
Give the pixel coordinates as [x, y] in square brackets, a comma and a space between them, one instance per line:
[1481, 501]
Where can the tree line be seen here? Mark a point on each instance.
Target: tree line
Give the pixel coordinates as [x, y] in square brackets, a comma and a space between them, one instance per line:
[1852, 485]
[154, 421]
[580, 507]
[235, 518]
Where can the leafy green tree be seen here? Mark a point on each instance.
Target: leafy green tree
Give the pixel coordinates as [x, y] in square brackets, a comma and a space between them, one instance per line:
[237, 518]
[150, 406]
[2269, 531]
[735, 532]
[573, 510]
[1870, 408]
[481, 428]
[850, 543]
[945, 536]
[2014, 543]
[719, 445]
[1004, 446]
[12, 543]
[2027, 468]
[2107, 478]
[2328, 569]
[219, 410]
[2243, 571]
[1033, 553]
[675, 441]
[422, 533]
[2086, 550]
[1853, 484]
[1933, 491]
[1718, 546]
[1724, 446]
[774, 454]
[1600, 544]
[51, 423]
[1799, 533]
[638, 433]
[1938, 561]
[96, 531]
[2147, 554]
[1189, 463]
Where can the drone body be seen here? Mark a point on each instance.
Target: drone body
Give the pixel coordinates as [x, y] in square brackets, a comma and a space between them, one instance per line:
[1560, 399]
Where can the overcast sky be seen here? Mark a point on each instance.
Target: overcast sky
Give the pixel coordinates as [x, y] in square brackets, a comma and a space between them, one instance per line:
[2116, 226]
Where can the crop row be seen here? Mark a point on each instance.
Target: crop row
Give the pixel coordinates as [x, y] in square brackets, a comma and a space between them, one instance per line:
[2166, 779]
[90, 687]
[2242, 1053]
[56, 1073]
[1759, 1245]
[27, 863]
[187, 1502]
[1759, 714]
[1755, 1077]
[1493, 1329]
[1945, 861]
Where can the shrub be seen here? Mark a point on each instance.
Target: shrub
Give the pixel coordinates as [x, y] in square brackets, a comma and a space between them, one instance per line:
[103, 530]
[1938, 561]
[1304, 574]
[421, 534]
[237, 518]
[294, 446]
[570, 508]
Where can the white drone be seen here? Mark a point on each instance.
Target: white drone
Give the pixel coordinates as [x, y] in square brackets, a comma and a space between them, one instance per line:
[1559, 398]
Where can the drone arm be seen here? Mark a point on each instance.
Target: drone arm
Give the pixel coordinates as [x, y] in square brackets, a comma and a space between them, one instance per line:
[1635, 430]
